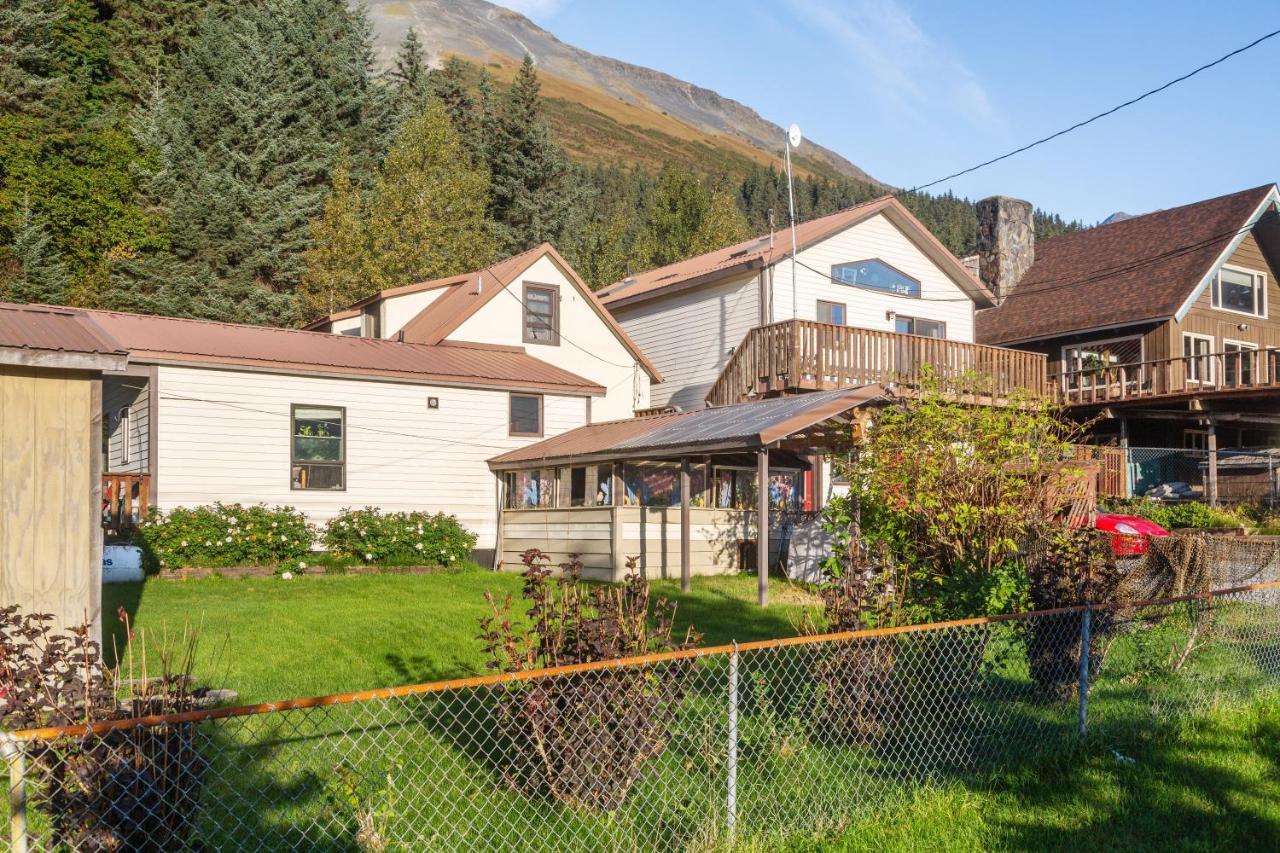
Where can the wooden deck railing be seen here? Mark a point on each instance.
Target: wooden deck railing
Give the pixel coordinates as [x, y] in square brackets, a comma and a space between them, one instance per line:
[802, 355]
[1186, 375]
[125, 500]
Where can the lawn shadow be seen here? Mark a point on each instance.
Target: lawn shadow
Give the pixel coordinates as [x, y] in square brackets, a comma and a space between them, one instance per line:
[115, 636]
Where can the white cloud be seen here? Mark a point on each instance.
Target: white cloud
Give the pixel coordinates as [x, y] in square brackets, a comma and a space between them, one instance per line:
[534, 8]
[897, 61]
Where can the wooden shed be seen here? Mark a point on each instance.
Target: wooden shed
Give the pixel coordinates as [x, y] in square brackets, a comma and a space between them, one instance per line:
[51, 364]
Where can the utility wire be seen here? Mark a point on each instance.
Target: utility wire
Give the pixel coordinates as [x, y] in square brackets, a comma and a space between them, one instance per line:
[1100, 115]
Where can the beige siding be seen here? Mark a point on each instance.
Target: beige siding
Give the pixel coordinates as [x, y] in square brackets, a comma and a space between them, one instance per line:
[117, 393]
[688, 335]
[560, 533]
[50, 539]
[224, 436]
[588, 347]
[941, 298]
[398, 310]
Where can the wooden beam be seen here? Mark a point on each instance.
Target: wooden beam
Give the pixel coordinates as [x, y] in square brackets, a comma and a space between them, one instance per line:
[1211, 487]
[762, 525]
[685, 568]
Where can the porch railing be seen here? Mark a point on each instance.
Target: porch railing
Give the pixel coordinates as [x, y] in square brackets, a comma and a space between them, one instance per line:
[125, 499]
[803, 355]
[1185, 375]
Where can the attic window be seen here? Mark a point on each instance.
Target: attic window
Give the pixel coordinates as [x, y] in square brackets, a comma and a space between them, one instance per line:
[541, 314]
[875, 274]
[1239, 290]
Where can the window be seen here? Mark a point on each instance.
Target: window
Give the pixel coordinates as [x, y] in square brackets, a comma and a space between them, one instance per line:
[526, 414]
[124, 427]
[1083, 364]
[370, 325]
[1196, 349]
[1237, 364]
[604, 485]
[917, 326]
[541, 314]
[831, 312]
[1242, 291]
[876, 275]
[736, 488]
[319, 448]
[528, 489]
[1195, 439]
[577, 487]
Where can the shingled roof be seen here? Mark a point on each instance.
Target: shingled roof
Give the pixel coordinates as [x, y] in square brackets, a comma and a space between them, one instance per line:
[768, 249]
[1140, 269]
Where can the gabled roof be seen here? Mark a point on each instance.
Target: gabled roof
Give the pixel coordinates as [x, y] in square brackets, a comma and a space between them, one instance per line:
[1145, 268]
[743, 426]
[46, 335]
[467, 293]
[765, 250]
[181, 341]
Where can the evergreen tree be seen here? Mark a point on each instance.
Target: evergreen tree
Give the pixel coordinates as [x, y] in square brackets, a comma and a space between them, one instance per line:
[242, 149]
[146, 37]
[409, 74]
[449, 86]
[27, 70]
[531, 189]
[38, 273]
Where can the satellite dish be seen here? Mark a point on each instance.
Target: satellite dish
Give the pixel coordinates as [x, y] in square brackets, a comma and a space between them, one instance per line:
[793, 135]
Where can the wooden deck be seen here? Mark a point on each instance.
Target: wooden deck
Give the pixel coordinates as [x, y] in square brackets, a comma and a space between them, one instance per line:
[803, 355]
[1217, 374]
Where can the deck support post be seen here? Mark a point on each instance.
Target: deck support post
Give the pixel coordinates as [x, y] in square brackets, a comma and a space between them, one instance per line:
[762, 525]
[1211, 487]
[685, 568]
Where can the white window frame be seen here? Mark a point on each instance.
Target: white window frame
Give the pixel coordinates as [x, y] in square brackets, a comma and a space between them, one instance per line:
[124, 427]
[1240, 345]
[1069, 370]
[1208, 360]
[1258, 275]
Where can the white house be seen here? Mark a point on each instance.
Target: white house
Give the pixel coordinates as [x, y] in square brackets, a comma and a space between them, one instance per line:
[871, 267]
[410, 392]
[533, 300]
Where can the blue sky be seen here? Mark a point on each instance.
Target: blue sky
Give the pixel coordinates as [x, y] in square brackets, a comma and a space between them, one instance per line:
[913, 90]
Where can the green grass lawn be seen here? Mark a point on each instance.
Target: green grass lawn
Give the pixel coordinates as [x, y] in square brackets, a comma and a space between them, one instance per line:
[1185, 762]
[269, 639]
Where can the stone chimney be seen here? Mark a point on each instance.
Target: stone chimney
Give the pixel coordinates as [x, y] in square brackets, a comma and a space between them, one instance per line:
[1006, 243]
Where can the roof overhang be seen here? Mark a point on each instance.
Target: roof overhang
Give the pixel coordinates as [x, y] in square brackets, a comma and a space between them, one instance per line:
[1272, 198]
[62, 359]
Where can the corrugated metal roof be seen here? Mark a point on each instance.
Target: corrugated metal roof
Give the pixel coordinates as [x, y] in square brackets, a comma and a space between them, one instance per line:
[53, 329]
[744, 425]
[170, 338]
[761, 251]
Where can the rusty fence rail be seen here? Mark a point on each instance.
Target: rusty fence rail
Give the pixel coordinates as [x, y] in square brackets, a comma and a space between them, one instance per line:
[705, 749]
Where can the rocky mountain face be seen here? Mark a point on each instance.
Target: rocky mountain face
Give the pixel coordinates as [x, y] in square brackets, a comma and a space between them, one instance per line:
[680, 113]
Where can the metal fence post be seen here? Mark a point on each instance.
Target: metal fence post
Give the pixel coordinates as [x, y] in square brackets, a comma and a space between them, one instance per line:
[1086, 625]
[16, 758]
[731, 764]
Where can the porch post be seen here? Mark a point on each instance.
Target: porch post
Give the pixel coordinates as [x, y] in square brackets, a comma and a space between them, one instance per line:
[616, 487]
[1211, 487]
[762, 525]
[685, 569]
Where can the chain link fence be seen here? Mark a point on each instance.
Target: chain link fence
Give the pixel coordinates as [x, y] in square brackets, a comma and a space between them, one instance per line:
[1243, 476]
[694, 750]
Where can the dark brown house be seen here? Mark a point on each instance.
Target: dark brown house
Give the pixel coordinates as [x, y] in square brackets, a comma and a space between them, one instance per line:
[1166, 325]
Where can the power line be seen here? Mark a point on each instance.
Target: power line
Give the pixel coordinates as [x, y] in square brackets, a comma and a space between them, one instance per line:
[1062, 282]
[1100, 115]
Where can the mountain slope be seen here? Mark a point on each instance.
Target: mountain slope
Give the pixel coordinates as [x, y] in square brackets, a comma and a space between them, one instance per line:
[601, 109]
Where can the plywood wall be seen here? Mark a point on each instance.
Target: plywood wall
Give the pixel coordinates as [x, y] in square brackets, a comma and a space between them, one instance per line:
[50, 536]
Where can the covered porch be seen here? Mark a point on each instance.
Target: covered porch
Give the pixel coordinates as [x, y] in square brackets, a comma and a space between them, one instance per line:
[681, 493]
[128, 448]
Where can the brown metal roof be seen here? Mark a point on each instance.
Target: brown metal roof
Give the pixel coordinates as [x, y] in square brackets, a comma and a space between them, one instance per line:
[199, 341]
[45, 329]
[1138, 269]
[743, 426]
[764, 250]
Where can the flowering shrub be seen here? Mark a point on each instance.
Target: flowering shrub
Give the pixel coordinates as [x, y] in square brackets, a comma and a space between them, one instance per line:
[227, 535]
[372, 536]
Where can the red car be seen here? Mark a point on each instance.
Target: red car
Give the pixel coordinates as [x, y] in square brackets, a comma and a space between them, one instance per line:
[1130, 534]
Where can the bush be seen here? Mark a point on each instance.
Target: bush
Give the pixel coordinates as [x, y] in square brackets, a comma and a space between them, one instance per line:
[227, 535]
[398, 538]
[584, 739]
[1192, 514]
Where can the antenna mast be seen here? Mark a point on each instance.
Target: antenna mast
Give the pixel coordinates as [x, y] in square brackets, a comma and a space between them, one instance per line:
[792, 141]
